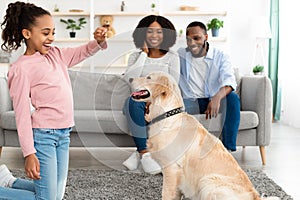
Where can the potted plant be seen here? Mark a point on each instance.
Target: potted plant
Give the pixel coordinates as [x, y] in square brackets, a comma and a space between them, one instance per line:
[56, 9]
[180, 33]
[71, 24]
[215, 24]
[258, 69]
[153, 7]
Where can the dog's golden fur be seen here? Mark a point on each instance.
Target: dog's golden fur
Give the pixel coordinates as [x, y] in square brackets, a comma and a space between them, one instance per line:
[195, 163]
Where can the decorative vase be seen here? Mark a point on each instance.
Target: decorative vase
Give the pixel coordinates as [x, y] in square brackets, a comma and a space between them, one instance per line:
[72, 34]
[258, 73]
[215, 32]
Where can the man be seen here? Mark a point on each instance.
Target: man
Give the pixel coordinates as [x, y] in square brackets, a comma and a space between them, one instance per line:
[207, 82]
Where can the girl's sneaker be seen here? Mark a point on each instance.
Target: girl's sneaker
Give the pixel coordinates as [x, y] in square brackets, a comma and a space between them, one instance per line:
[6, 178]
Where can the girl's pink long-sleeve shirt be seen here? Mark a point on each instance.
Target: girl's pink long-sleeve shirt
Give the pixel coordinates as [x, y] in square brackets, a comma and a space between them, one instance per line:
[43, 80]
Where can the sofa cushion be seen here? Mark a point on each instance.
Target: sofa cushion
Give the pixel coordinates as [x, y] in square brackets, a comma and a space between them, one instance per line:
[102, 121]
[98, 91]
[248, 120]
[8, 121]
[6, 103]
[113, 121]
[238, 79]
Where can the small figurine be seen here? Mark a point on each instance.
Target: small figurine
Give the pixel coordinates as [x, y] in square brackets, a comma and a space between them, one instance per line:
[123, 6]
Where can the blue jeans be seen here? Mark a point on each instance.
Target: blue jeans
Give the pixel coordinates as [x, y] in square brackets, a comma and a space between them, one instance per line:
[52, 146]
[21, 189]
[135, 115]
[230, 120]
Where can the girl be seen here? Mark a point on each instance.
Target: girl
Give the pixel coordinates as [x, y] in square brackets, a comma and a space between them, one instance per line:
[40, 77]
[154, 35]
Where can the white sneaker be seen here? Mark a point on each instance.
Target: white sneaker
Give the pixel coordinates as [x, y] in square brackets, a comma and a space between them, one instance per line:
[6, 178]
[132, 162]
[150, 166]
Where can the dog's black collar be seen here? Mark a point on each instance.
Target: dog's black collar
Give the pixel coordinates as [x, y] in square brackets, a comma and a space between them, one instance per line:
[166, 115]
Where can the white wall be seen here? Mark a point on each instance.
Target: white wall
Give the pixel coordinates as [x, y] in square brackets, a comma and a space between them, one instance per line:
[240, 41]
[289, 69]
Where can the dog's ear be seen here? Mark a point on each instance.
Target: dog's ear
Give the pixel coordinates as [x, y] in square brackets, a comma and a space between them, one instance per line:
[147, 112]
[147, 107]
[164, 81]
[162, 86]
[166, 84]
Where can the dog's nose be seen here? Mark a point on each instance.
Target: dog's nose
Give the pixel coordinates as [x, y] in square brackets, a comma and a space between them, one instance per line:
[130, 80]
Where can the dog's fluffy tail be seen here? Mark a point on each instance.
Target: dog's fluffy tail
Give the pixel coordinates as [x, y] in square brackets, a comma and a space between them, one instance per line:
[223, 193]
[219, 187]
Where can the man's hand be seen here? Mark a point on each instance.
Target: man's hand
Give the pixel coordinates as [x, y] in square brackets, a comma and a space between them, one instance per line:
[214, 104]
[213, 107]
[32, 167]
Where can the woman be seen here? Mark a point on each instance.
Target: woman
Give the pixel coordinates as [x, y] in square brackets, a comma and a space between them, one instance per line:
[153, 37]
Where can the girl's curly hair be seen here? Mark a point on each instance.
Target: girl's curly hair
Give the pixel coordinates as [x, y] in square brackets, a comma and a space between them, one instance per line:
[19, 16]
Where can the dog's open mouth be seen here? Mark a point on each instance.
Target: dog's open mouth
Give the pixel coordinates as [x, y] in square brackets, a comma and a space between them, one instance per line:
[141, 94]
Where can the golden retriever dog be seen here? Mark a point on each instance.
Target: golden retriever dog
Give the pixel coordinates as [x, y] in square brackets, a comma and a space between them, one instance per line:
[195, 163]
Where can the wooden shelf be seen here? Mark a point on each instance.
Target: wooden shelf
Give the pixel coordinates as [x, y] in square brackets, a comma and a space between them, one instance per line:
[127, 13]
[78, 40]
[217, 39]
[193, 13]
[174, 13]
[72, 40]
[70, 14]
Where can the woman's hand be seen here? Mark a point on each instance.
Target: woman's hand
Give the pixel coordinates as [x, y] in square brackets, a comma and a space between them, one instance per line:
[145, 48]
[100, 35]
[32, 167]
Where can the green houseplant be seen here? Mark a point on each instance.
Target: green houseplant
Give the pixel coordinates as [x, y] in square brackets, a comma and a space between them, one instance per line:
[71, 24]
[153, 7]
[180, 33]
[214, 25]
[258, 69]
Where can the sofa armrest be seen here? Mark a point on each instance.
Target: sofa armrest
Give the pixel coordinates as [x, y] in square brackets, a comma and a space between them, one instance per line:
[256, 95]
[5, 100]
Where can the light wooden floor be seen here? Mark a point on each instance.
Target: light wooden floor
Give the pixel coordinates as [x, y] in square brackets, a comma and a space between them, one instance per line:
[282, 166]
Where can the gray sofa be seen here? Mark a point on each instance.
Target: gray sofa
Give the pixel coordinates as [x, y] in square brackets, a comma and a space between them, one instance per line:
[98, 102]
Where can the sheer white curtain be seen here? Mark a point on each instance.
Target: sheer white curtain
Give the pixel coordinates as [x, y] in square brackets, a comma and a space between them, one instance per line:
[289, 62]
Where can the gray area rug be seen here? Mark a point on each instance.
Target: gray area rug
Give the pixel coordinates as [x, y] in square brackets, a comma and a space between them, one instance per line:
[94, 184]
